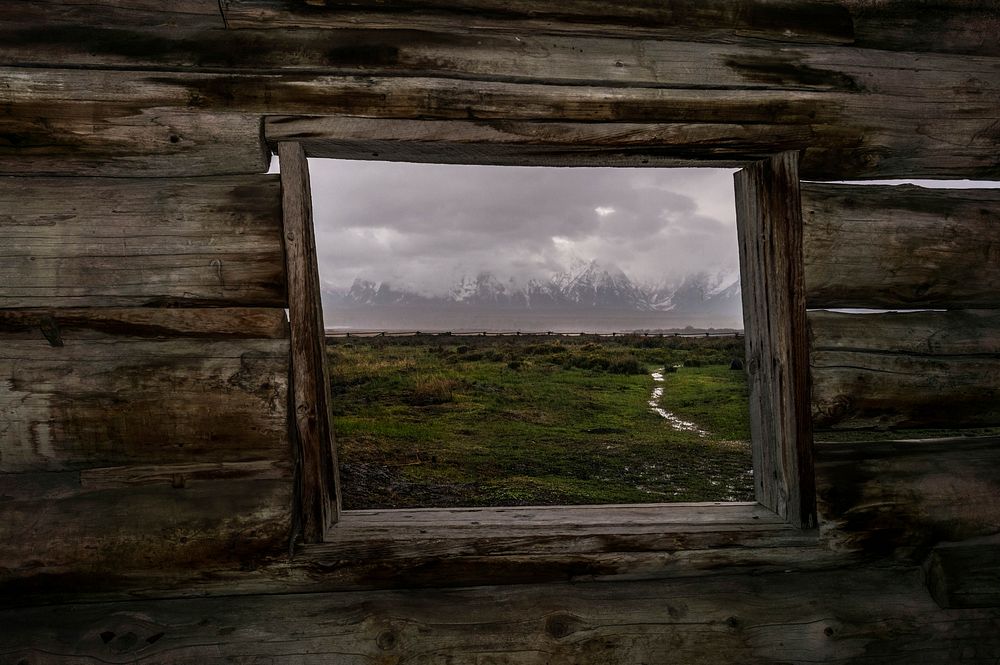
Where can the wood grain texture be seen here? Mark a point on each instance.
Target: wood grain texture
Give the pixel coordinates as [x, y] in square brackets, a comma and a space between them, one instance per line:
[206, 322]
[901, 246]
[965, 574]
[905, 370]
[939, 26]
[113, 400]
[698, 21]
[114, 123]
[125, 241]
[319, 486]
[534, 143]
[868, 120]
[99, 534]
[778, 618]
[769, 226]
[900, 498]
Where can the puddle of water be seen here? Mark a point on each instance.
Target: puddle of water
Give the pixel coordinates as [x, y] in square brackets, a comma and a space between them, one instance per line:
[675, 422]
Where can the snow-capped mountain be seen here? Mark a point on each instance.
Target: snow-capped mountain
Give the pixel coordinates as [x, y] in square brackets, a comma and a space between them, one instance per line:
[588, 286]
[601, 286]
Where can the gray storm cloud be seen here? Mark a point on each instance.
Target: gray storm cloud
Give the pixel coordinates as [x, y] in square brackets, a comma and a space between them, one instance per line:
[424, 225]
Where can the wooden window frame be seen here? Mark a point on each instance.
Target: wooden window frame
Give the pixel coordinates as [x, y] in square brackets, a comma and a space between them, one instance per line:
[769, 221]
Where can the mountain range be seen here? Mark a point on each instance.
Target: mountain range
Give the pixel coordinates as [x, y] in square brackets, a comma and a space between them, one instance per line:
[590, 286]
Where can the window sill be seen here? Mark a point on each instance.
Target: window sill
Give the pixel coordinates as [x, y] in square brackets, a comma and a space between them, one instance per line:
[474, 546]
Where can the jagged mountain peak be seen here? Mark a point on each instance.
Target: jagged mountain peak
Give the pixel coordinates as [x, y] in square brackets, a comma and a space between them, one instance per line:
[590, 285]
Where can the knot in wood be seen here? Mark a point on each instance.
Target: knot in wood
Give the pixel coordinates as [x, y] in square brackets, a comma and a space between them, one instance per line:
[560, 625]
[387, 640]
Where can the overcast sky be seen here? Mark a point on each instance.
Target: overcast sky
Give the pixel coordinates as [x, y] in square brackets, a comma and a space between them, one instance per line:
[425, 225]
[422, 226]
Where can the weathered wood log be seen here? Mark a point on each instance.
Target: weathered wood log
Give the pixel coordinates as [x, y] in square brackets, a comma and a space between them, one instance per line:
[901, 498]
[780, 618]
[905, 370]
[696, 21]
[534, 143]
[769, 225]
[902, 246]
[942, 334]
[946, 27]
[208, 322]
[875, 133]
[942, 26]
[111, 400]
[107, 241]
[118, 529]
[318, 482]
[965, 574]
[107, 123]
[958, 27]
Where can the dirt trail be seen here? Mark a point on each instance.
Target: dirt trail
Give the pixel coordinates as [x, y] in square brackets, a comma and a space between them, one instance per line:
[675, 422]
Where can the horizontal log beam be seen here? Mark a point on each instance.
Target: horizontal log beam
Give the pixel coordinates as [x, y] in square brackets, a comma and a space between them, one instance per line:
[115, 400]
[110, 242]
[861, 120]
[937, 26]
[534, 143]
[905, 370]
[753, 619]
[965, 574]
[902, 246]
[123, 526]
[208, 322]
[901, 498]
[686, 19]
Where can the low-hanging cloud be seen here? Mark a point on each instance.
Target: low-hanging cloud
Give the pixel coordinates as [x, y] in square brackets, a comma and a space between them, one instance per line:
[424, 225]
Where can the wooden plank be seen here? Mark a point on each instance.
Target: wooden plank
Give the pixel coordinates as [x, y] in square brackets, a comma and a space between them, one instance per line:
[534, 143]
[901, 246]
[685, 19]
[778, 618]
[953, 333]
[126, 241]
[208, 322]
[319, 485]
[900, 498]
[112, 530]
[113, 123]
[942, 26]
[522, 57]
[958, 27]
[769, 225]
[33, 486]
[937, 27]
[115, 400]
[905, 370]
[390, 548]
[881, 132]
[965, 574]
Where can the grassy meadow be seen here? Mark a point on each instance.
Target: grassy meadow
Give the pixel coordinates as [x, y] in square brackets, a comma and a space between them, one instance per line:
[438, 421]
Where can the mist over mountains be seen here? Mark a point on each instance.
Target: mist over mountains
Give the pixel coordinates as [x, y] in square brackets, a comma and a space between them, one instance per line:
[587, 289]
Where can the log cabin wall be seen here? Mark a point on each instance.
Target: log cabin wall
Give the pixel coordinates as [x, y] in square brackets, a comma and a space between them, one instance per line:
[145, 451]
[144, 347]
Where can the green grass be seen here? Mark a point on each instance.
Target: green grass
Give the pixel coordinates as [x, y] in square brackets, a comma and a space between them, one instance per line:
[470, 421]
[438, 421]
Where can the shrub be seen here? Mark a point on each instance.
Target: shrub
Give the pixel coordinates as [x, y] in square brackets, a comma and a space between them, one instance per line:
[431, 390]
[626, 365]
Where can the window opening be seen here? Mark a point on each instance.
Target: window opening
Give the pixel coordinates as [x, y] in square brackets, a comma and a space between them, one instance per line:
[579, 334]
